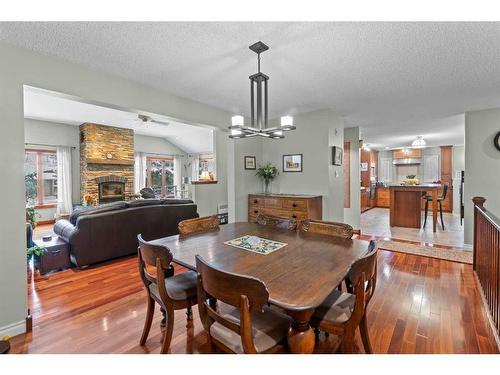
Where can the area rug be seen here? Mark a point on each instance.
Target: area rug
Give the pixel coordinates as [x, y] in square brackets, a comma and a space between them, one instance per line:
[256, 244]
[461, 256]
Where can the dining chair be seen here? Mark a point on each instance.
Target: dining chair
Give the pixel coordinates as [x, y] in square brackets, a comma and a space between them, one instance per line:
[175, 293]
[241, 322]
[328, 228]
[341, 313]
[198, 225]
[276, 222]
[440, 199]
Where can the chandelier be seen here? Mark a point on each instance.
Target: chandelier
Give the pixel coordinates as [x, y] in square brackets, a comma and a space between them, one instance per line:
[419, 142]
[259, 108]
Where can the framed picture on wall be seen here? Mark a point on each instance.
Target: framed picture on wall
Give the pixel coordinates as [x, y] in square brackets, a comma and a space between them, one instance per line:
[337, 155]
[292, 163]
[250, 162]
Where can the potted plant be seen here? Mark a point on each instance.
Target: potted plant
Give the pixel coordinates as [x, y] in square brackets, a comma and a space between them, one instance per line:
[31, 253]
[31, 216]
[267, 172]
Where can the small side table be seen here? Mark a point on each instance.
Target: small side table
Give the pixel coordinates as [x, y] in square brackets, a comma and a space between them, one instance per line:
[56, 257]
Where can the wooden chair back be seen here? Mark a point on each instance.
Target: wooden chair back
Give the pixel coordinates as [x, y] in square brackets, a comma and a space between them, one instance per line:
[156, 256]
[445, 190]
[328, 228]
[198, 225]
[247, 293]
[365, 267]
[276, 222]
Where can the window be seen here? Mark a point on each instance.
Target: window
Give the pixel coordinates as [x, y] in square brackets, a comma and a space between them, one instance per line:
[207, 163]
[160, 175]
[40, 177]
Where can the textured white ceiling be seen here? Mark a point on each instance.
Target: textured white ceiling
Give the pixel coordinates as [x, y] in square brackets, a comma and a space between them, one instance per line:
[387, 78]
[44, 106]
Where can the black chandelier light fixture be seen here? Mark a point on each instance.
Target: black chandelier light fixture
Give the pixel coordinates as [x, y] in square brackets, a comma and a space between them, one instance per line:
[259, 108]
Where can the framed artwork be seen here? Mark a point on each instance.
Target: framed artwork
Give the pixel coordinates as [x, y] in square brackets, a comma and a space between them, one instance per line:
[250, 162]
[337, 155]
[292, 163]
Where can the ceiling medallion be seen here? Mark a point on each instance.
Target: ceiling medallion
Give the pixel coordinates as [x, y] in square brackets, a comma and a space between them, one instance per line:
[259, 108]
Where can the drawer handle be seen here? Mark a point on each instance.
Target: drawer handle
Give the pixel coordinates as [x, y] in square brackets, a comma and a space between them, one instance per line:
[256, 212]
[255, 201]
[294, 216]
[53, 252]
[294, 205]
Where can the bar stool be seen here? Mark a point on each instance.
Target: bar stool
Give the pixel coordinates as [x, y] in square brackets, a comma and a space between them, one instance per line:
[440, 199]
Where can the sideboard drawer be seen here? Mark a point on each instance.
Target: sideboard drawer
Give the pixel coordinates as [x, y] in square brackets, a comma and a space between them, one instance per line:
[258, 201]
[273, 202]
[295, 204]
[297, 207]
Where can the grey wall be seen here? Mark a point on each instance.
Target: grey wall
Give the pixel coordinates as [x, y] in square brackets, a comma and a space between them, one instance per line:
[457, 165]
[352, 215]
[155, 145]
[242, 182]
[482, 164]
[20, 67]
[316, 133]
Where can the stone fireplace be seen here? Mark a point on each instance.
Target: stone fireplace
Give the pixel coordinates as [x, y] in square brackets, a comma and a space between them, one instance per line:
[106, 162]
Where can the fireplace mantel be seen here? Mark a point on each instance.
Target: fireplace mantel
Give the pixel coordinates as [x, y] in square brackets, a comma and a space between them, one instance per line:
[110, 161]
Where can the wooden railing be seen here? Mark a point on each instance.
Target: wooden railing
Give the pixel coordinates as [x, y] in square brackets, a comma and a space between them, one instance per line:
[487, 258]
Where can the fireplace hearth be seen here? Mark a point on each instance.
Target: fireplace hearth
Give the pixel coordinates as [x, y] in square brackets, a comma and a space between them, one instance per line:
[111, 188]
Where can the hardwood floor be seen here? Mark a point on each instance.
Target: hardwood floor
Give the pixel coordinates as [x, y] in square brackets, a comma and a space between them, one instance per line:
[376, 222]
[421, 305]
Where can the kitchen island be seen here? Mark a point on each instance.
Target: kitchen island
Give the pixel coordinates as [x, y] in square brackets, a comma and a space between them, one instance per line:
[406, 204]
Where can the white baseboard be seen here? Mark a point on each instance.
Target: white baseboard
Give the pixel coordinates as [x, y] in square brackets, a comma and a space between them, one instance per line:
[467, 247]
[13, 329]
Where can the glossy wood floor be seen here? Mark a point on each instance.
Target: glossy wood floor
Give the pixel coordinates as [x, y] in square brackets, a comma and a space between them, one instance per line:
[421, 305]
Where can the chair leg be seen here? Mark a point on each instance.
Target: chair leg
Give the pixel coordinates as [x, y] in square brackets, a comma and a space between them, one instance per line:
[426, 211]
[363, 329]
[189, 313]
[149, 319]
[441, 213]
[347, 344]
[167, 338]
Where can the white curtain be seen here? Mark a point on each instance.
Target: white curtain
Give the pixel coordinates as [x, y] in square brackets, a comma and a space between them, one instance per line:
[64, 189]
[139, 171]
[195, 164]
[178, 173]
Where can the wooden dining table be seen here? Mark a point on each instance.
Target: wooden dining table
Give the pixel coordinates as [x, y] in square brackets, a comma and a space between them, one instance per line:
[299, 276]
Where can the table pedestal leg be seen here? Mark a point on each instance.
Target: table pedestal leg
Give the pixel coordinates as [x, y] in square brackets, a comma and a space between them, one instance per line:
[300, 335]
[434, 209]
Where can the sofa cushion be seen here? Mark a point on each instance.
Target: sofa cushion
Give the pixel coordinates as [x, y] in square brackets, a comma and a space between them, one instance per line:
[91, 210]
[144, 202]
[179, 287]
[176, 201]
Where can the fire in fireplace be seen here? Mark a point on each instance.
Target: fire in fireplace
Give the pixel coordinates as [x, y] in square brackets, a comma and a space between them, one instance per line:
[111, 188]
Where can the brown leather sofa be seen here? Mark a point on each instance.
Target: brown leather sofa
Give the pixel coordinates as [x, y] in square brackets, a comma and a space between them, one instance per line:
[110, 231]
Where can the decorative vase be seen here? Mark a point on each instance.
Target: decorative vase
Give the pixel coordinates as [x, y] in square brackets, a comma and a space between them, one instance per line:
[266, 186]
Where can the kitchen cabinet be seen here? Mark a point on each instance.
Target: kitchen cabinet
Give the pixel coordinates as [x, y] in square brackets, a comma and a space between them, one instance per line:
[383, 197]
[407, 153]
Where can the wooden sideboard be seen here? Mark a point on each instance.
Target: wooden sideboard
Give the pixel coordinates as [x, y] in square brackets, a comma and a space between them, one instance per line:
[298, 207]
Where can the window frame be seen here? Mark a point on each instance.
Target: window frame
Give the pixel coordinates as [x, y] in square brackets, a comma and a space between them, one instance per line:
[149, 159]
[40, 203]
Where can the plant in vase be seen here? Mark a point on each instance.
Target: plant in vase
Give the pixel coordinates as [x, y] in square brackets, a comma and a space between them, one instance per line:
[267, 173]
[88, 200]
[31, 252]
[31, 216]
